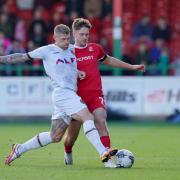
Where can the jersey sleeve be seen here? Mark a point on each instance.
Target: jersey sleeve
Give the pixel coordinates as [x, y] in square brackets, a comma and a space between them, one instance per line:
[101, 54]
[38, 53]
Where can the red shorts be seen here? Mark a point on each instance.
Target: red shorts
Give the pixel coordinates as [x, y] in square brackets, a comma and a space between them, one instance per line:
[93, 100]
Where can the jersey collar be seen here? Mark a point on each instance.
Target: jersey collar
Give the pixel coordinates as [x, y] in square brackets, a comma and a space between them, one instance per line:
[60, 49]
[79, 47]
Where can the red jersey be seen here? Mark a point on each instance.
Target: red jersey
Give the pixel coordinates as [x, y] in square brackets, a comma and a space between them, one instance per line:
[87, 61]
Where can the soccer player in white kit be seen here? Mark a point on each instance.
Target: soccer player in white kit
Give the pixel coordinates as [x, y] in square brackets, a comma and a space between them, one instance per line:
[60, 65]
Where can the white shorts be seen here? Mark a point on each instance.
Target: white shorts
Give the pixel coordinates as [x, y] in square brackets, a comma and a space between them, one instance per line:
[66, 103]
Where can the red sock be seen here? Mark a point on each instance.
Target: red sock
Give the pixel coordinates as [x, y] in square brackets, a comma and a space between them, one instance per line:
[68, 149]
[106, 141]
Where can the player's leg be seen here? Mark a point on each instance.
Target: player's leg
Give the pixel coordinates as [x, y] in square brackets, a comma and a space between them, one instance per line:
[96, 105]
[58, 129]
[74, 107]
[100, 113]
[100, 117]
[92, 135]
[70, 137]
[73, 131]
[101, 124]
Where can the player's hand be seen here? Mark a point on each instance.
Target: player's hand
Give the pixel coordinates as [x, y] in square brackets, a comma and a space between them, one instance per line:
[140, 67]
[81, 75]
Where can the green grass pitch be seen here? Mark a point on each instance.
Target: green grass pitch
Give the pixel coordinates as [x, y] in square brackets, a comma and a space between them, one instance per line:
[156, 148]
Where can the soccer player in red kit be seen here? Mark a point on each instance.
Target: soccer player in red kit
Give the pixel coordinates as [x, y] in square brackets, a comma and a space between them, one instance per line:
[90, 88]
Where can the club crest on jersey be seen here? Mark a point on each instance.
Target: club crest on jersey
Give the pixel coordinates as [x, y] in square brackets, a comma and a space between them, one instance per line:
[90, 49]
[65, 61]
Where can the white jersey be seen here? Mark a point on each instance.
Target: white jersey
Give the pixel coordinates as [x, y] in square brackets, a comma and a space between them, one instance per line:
[60, 65]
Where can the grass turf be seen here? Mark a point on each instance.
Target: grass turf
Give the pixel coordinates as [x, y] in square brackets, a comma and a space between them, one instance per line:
[156, 148]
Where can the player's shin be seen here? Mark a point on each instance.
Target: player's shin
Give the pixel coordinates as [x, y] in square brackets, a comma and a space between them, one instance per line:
[42, 139]
[93, 136]
[106, 141]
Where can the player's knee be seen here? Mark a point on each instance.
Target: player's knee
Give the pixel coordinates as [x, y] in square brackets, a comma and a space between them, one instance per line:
[56, 138]
[89, 116]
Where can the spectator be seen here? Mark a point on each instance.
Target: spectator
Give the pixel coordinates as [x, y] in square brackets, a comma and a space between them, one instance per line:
[106, 46]
[38, 36]
[155, 52]
[93, 7]
[11, 70]
[38, 19]
[6, 26]
[4, 41]
[75, 5]
[164, 62]
[56, 19]
[155, 55]
[106, 8]
[9, 7]
[143, 29]
[162, 30]
[20, 31]
[38, 28]
[15, 47]
[127, 57]
[73, 14]
[142, 54]
[60, 7]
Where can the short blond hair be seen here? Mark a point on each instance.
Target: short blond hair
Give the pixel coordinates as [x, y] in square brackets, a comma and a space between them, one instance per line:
[61, 29]
[78, 23]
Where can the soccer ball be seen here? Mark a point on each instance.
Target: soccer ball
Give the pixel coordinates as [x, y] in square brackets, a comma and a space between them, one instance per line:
[124, 158]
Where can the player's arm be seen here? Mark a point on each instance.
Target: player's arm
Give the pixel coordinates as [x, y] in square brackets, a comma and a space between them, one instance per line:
[15, 58]
[114, 62]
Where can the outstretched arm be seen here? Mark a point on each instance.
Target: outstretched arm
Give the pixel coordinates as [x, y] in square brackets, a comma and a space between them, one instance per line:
[111, 61]
[14, 58]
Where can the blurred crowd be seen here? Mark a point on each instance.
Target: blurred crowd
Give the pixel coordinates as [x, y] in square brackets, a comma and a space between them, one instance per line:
[150, 43]
[28, 24]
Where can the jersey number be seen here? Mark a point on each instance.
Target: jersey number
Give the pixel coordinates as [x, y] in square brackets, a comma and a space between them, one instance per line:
[102, 100]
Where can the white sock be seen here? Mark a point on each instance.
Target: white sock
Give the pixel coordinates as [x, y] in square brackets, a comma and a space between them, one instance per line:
[93, 136]
[38, 141]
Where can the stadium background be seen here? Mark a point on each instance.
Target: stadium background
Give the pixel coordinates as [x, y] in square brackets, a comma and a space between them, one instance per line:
[137, 31]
